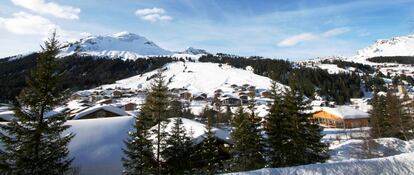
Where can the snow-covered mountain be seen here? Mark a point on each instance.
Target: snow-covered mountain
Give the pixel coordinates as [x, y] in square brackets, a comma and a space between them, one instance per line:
[123, 45]
[397, 46]
[194, 51]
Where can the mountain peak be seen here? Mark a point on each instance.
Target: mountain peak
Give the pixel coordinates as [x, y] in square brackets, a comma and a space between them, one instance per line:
[123, 45]
[127, 36]
[194, 51]
[396, 46]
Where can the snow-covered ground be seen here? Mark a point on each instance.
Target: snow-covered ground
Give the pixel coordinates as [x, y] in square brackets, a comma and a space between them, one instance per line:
[198, 77]
[400, 164]
[357, 149]
[332, 68]
[350, 144]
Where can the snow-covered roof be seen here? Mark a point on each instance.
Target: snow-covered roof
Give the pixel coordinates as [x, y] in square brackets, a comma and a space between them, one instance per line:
[83, 93]
[317, 102]
[108, 108]
[4, 108]
[228, 95]
[97, 145]
[7, 115]
[345, 112]
[56, 111]
[103, 101]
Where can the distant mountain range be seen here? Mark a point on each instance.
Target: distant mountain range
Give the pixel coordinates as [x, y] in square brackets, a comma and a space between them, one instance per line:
[130, 46]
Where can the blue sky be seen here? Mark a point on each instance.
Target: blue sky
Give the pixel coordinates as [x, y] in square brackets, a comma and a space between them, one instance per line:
[278, 29]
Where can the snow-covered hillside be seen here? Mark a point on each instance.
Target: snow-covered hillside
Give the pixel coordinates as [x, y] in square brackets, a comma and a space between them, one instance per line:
[123, 45]
[397, 46]
[198, 77]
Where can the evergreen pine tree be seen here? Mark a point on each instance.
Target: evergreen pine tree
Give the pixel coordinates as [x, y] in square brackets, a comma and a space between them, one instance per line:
[33, 143]
[210, 150]
[378, 117]
[256, 121]
[226, 117]
[394, 109]
[277, 129]
[157, 101]
[407, 119]
[399, 114]
[219, 114]
[175, 109]
[179, 149]
[307, 142]
[139, 157]
[292, 138]
[246, 151]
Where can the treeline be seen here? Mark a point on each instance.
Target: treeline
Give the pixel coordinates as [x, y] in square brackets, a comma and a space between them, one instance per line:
[78, 72]
[393, 59]
[273, 68]
[336, 87]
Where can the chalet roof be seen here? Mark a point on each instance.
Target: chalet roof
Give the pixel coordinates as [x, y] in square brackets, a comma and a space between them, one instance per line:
[226, 98]
[345, 112]
[108, 108]
[317, 102]
[228, 95]
[9, 115]
[103, 101]
[83, 93]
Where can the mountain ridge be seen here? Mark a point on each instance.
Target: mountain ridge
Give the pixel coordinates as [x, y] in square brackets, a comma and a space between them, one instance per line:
[123, 45]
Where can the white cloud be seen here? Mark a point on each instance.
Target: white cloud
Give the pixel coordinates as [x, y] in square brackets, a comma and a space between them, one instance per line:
[52, 8]
[296, 39]
[27, 24]
[303, 37]
[335, 32]
[153, 14]
[149, 11]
